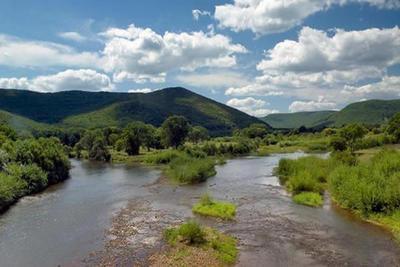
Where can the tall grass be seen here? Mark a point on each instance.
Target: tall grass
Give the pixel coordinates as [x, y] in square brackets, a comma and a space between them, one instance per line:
[188, 170]
[369, 187]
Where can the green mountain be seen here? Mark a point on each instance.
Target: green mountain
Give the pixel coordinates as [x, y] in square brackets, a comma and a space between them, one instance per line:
[19, 123]
[368, 112]
[298, 119]
[100, 109]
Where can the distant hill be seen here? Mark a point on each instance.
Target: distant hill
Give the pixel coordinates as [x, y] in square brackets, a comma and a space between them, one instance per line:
[21, 124]
[368, 112]
[297, 119]
[100, 109]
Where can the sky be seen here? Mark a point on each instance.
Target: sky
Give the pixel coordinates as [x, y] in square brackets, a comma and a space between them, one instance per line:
[259, 56]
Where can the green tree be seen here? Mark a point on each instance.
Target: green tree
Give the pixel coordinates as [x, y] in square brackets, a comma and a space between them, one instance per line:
[394, 127]
[197, 134]
[174, 131]
[255, 130]
[99, 150]
[137, 134]
[351, 134]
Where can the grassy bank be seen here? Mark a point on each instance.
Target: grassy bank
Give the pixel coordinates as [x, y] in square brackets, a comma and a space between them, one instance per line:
[191, 244]
[369, 188]
[208, 206]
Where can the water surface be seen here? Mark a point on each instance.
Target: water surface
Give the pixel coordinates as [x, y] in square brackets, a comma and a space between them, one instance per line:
[66, 223]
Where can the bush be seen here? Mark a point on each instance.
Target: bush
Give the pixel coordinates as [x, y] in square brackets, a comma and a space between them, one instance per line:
[303, 181]
[209, 207]
[186, 170]
[10, 189]
[369, 187]
[309, 199]
[189, 232]
[35, 177]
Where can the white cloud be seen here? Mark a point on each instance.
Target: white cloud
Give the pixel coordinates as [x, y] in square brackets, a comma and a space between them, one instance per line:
[387, 88]
[15, 52]
[83, 79]
[252, 106]
[320, 104]
[138, 52]
[213, 79]
[267, 16]
[325, 64]
[141, 90]
[197, 13]
[73, 36]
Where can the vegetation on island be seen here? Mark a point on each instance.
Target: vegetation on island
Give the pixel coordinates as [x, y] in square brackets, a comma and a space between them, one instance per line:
[208, 206]
[190, 239]
[367, 186]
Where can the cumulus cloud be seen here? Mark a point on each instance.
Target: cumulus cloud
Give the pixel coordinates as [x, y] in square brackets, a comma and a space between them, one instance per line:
[197, 13]
[82, 79]
[319, 63]
[73, 36]
[141, 90]
[320, 104]
[215, 79]
[140, 52]
[387, 88]
[266, 16]
[15, 52]
[252, 106]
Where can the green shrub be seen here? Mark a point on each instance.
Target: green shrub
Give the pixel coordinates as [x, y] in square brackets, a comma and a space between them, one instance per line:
[186, 170]
[369, 187]
[303, 181]
[35, 177]
[189, 232]
[209, 207]
[309, 199]
[11, 188]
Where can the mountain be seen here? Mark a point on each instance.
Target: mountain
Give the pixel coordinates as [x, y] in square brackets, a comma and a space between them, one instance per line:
[100, 109]
[298, 119]
[368, 112]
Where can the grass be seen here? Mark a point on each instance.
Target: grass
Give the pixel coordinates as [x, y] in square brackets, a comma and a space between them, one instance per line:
[369, 187]
[208, 240]
[187, 170]
[309, 199]
[207, 206]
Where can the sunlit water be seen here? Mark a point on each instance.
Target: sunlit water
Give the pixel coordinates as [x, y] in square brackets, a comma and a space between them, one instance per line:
[64, 224]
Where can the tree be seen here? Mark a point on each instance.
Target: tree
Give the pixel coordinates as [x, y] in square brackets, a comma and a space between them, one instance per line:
[99, 150]
[255, 130]
[197, 134]
[174, 131]
[351, 134]
[394, 127]
[137, 134]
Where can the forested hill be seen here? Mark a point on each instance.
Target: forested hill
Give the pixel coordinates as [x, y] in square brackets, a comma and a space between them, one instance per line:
[100, 109]
[368, 112]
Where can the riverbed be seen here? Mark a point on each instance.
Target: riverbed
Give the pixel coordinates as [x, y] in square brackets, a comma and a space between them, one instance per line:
[114, 215]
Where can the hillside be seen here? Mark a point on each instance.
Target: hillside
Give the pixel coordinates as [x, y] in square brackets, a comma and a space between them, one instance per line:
[21, 124]
[368, 112]
[298, 119]
[100, 109]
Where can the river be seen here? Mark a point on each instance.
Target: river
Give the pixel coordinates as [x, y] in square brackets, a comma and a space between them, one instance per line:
[114, 214]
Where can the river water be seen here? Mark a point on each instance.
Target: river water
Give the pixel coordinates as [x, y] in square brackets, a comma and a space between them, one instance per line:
[114, 215]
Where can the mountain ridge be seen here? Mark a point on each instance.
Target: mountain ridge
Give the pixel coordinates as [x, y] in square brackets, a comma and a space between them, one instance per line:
[369, 112]
[101, 109]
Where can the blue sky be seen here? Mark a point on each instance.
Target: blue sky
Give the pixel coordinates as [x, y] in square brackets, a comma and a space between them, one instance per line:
[260, 56]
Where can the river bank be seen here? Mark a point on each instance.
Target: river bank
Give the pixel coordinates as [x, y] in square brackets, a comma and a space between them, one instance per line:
[122, 221]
